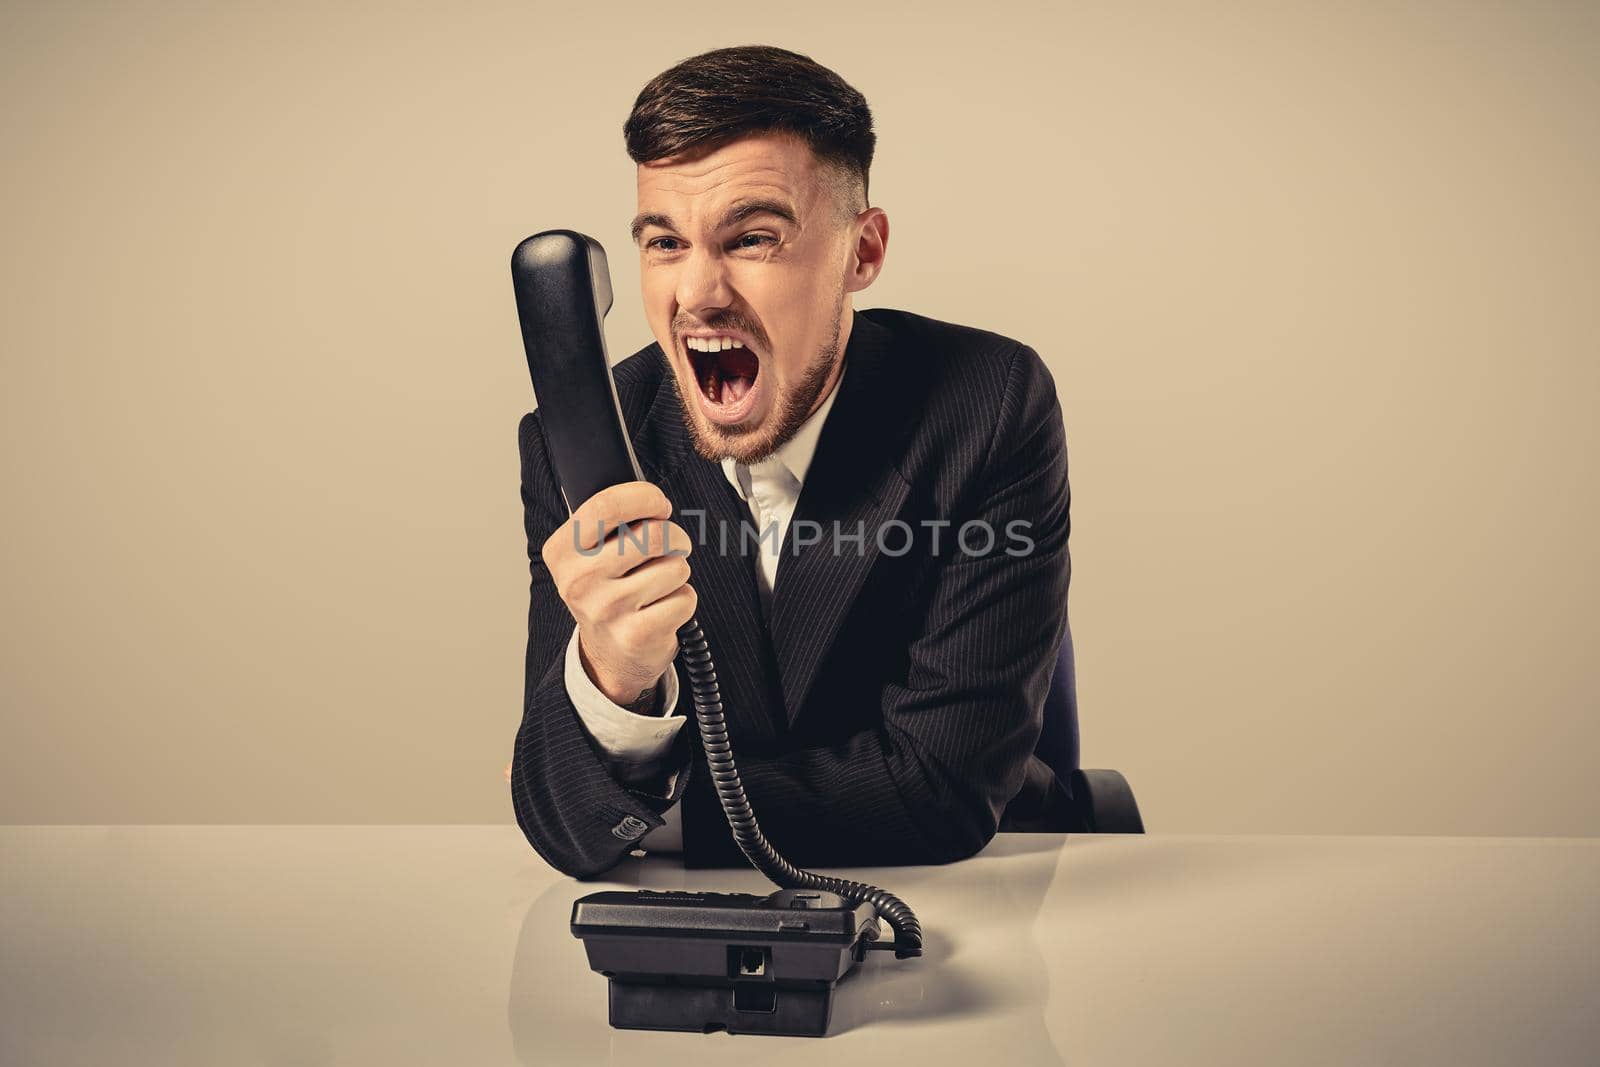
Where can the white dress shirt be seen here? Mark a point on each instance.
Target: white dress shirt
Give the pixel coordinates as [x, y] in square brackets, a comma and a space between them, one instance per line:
[770, 488]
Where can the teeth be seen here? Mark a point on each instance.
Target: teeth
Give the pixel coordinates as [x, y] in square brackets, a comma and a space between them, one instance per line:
[712, 344]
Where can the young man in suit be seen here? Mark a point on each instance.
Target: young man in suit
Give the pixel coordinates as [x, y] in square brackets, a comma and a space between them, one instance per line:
[866, 510]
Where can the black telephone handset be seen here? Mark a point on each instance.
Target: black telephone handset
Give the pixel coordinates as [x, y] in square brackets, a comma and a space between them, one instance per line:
[563, 293]
[563, 289]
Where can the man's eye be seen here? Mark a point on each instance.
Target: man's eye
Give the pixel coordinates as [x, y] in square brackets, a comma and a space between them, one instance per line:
[749, 240]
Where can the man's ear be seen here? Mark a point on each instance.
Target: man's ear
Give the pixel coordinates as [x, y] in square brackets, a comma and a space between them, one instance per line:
[869, 248]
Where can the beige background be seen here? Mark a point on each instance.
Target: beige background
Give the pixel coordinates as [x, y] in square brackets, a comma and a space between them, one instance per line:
[1316, 283]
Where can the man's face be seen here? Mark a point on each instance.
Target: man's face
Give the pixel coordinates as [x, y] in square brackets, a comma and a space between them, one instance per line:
[750, 245]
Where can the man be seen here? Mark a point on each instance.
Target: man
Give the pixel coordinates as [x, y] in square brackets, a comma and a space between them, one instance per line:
[884, 641]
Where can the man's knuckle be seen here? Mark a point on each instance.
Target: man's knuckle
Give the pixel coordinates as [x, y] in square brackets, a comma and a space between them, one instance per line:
[590, 510]
[580, 585]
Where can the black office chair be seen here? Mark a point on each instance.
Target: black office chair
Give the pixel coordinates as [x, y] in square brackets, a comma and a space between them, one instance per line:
[1058, 796]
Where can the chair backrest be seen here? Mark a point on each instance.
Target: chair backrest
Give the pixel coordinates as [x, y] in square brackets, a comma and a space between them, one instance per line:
[1058, 742]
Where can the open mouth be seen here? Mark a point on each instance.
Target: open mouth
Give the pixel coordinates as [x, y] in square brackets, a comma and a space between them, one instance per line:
[727, 376]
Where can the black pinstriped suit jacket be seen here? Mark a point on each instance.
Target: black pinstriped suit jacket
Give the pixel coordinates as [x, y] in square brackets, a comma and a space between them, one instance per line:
[888, 709]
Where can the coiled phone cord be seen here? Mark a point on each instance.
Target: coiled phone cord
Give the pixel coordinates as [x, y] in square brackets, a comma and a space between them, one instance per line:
[746, 831]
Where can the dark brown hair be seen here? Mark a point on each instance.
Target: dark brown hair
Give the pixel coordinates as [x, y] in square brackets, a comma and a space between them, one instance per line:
[708, 100]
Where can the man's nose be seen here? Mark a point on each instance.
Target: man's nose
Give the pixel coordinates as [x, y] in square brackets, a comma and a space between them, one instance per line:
[703, 285]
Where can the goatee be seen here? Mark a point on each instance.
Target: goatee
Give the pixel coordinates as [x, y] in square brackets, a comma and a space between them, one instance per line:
[793, 408]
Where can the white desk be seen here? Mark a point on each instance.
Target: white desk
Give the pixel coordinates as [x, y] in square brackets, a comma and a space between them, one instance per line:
[449, 945]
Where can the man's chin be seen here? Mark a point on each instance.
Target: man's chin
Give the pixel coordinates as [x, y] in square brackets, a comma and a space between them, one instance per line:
[745, 442]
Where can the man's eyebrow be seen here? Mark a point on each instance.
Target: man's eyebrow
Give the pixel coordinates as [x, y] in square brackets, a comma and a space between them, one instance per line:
[758, 206]
[643, 220]
[737, 213]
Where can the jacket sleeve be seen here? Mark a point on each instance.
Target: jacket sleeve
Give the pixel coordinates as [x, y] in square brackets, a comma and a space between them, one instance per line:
[579, 809]
[929, 783]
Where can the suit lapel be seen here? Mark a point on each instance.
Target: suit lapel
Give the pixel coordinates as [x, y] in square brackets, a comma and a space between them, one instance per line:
[853, 482]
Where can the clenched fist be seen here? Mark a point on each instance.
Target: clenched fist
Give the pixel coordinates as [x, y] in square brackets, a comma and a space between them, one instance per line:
[621, 566]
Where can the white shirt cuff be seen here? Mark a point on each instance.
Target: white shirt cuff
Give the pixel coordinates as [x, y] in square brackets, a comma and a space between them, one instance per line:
[620, 733]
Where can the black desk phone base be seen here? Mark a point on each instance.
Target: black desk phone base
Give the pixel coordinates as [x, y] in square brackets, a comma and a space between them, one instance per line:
[682, 960]
[747, 964]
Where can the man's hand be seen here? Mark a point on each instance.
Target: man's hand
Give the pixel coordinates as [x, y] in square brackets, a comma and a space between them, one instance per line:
[620, 565]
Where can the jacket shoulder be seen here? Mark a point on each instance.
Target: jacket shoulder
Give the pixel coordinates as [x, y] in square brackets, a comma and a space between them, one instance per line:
[955, 359]
[977, 386]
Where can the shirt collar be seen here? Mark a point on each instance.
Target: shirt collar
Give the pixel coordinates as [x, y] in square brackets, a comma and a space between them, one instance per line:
[795, 453]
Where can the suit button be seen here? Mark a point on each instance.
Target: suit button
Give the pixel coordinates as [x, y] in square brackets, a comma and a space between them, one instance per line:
[629, 828]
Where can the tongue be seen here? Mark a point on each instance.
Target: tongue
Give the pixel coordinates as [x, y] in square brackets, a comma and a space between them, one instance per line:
[730, 375]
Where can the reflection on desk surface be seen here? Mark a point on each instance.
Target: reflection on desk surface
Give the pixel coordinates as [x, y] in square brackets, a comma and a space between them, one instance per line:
[398, 945]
